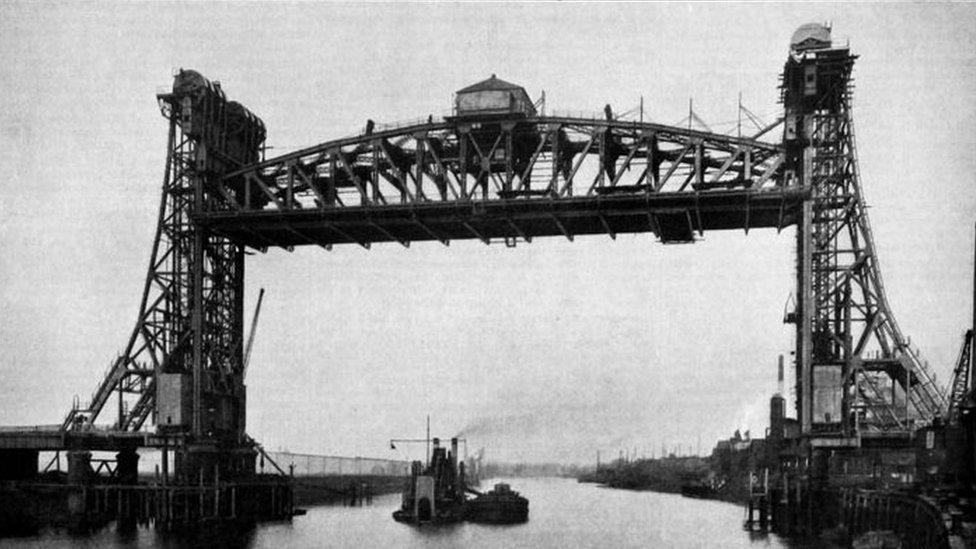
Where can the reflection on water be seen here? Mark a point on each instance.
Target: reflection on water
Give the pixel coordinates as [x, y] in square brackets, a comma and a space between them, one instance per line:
[562, 513]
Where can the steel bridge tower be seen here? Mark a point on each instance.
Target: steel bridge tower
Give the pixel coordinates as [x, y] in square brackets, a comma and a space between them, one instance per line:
[856, 372]
[183, 364]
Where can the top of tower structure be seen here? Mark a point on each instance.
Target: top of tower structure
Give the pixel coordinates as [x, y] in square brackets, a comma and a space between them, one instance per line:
[812, 36]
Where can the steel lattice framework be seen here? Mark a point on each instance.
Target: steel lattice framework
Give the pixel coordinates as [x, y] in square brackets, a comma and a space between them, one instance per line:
[511, 178]
[847, 337]
[190, 322]
[961, 377]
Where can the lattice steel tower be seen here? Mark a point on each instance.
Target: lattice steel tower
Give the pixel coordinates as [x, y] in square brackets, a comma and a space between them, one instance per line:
[183, 363]
[854, 366]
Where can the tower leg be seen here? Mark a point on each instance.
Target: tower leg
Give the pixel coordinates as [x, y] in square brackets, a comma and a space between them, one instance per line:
[127, 466]
[79, 476]
[804, 326]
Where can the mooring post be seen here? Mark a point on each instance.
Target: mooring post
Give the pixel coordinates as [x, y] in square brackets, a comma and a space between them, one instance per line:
[200, 507]
[763, 518]
[809, 508]
[165, 463]
[79, 477]
[216, 512]
[798, 506]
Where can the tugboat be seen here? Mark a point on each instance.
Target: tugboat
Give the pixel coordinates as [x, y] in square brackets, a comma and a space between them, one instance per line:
[434, 495]
[438, 493]
[499, 506]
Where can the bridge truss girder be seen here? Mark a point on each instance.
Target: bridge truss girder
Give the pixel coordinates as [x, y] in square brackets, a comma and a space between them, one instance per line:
[512, 178]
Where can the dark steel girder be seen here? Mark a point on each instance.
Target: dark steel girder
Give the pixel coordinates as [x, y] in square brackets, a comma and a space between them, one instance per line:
[474, 160]
[583, 215]
[727, 142]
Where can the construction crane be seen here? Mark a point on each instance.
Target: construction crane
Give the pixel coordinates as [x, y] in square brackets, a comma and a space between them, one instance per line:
[961, 377]
[254, 326]
[963, 373]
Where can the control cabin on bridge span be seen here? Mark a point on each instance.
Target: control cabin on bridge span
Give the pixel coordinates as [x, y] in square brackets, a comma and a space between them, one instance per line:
[492, 98]
[490, 110]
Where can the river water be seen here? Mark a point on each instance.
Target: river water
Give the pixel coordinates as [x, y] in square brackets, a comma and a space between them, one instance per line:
[562, 513]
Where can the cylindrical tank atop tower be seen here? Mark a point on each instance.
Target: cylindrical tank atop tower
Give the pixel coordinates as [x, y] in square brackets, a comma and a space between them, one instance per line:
[811, 36]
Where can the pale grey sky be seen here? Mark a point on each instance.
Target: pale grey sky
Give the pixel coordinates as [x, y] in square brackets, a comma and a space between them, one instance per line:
[594, 344]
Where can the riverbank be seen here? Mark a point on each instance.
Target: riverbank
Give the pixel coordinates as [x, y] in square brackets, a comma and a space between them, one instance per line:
[691, 475]
[827, 514]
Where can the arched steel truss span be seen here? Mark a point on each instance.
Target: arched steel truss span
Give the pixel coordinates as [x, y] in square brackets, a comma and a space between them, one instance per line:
[512, 178]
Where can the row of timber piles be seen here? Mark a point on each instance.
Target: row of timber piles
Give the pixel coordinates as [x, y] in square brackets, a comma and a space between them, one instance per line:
[915, 521]
[87, 498]
[914, 488]
[890, 486]
[906, 490]
[178, 507]
[800, 508]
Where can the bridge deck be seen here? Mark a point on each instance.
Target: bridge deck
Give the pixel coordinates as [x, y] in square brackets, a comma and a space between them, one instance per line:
[47, 439]
[673, 217]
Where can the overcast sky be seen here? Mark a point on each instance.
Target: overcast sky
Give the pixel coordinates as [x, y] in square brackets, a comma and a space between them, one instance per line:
[547, 351]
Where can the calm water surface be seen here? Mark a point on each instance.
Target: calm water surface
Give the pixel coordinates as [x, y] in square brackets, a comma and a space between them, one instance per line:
[562, 513]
